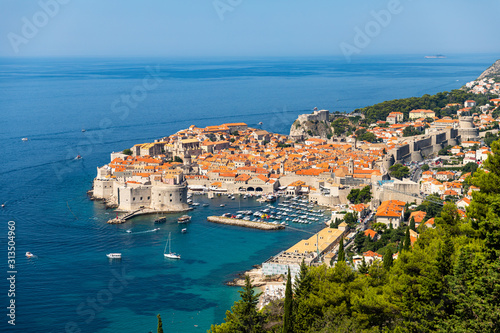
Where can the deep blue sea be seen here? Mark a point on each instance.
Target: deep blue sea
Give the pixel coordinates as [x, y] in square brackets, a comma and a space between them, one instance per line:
[70, 286]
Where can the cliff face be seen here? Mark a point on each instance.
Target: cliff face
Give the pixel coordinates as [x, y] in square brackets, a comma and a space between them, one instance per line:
[493, 70]
[307, 129]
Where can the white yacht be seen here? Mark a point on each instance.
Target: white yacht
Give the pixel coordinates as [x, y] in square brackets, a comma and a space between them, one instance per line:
[170, 254]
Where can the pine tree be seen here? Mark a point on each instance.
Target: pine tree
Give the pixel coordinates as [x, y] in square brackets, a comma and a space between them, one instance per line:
[445, 254]
[341, 255]
[388, 259]
[407, 241]
[160, 325]
[287, 317]
[243, 316]
[249, 317]
[412, 224]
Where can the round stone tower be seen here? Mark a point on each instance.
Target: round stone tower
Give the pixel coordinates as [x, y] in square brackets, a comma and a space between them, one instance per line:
[466, 129]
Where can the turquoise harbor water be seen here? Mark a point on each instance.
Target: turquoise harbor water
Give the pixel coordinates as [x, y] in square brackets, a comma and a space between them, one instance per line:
[71, 284]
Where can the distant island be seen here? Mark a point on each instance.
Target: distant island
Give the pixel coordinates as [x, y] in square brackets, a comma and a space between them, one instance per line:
[437, 56]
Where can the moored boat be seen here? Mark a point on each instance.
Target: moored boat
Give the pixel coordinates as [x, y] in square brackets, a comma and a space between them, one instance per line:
[161, 219]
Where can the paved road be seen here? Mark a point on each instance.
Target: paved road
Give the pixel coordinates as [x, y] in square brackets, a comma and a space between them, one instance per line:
[417, 174]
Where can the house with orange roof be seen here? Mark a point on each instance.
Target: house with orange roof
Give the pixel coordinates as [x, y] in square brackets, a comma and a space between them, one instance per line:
[463, 203]
[469, 103]
[371, 256]
[371, 233]
[418, 217]
[416, 114]
[429, 223]
[427, 174]
[468, 144]
[445, 175]
[455, 150]
[390, 212]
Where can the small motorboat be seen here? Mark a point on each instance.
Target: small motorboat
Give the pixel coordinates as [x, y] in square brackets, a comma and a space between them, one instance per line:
[114, 255]
[129, 231]
[184, 230]
[83, 130]
[156, 229]
[24, 139]
[260, 122]
[78, 157]
[222, 205]
[29, 255]
[205, 205]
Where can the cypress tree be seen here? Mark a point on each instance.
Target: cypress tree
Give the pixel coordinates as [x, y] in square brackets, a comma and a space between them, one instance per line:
[363, 268]
[412, 224]
[287, 317]
[388, 259]
[160, 325]
[407, 242]
[302, 285]
[341, 255]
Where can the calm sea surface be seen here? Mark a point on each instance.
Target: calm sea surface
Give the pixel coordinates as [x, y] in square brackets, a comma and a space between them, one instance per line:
[71, 284]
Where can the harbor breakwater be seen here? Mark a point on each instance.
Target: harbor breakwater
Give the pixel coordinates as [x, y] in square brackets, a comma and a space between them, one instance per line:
[245, 224]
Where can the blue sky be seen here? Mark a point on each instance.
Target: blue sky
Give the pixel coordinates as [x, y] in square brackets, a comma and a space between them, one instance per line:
[202, 28]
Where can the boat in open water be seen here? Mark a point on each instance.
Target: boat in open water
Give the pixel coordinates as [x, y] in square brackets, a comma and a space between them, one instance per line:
[184, 219]
[114, 255]
[29, 255]
[170, 254]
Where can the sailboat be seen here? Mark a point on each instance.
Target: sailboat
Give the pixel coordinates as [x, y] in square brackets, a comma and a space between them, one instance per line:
[170, 254]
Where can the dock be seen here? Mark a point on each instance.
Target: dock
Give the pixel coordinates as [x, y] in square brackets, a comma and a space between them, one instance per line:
[144, 211]
[124, 218]
[245, 224]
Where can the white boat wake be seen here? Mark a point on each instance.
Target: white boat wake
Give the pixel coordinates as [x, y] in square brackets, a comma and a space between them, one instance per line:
[129, 231]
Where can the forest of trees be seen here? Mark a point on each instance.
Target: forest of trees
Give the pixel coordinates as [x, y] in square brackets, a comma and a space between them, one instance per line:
[435, 102]
[449, 281]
